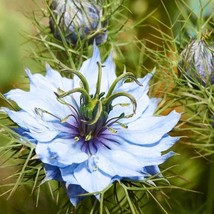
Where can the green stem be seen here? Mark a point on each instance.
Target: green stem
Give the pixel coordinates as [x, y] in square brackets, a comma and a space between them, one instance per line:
[128, 199]
[210, 195]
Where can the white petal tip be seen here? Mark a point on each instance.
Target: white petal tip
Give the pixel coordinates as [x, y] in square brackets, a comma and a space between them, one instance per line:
[153, 71]
[27, 71]
[47, 66]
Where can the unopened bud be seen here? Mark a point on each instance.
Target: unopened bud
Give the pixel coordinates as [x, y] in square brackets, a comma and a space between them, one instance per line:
[197, 60]
[77, 20]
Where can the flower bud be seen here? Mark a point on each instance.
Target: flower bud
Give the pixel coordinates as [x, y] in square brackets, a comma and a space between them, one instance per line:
[197, 60]
[77, 20]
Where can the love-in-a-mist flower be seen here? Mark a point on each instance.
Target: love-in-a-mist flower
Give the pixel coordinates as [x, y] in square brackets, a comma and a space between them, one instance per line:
[94, 129]
[77, 20]
[197, 60]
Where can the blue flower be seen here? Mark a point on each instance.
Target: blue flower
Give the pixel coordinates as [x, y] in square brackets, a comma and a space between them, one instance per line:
[94, 129]
[77, 20]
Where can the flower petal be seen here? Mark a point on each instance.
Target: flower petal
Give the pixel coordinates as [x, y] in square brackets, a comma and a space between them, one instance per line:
[24, 120]
[150, 150]
[90, 71]
[118, 163]
[91, 181]
[61, 152]
[68, 174]
[152, 106]
[41, 88]
[108, 73]
[127, 109]
[149, 129]
[140, 95]
[57, 80]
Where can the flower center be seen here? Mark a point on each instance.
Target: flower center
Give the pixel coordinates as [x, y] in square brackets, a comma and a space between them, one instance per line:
[93, 119]
[92, 116]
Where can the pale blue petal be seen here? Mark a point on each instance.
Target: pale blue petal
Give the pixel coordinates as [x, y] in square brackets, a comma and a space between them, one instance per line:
[155, 160]
[44, 136]
[147, 130]
[150, 150]
[65, 84]
[94, 181]
[135, 89]
[29, 101]
[37, 98]
[25, 134]
[142, 105]
[61, 152]
[39, 82]
[90, 71]
[57, 80]
[117, 162]
[152, 107]
[49, 83]
[140, 95]
[108, 73]
[53, 130]
[146, 155]
[68, 174]
[145, 162]
[24, 120]
[35, 127]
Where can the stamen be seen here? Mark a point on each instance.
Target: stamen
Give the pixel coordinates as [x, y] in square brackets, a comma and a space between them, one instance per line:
[70, 115]
[114, 119]
[113, 131]
[108, 123]
[88, 137]
[69, 105]
[122, 124]
[40, 112]
[111, 122]
[76, 138]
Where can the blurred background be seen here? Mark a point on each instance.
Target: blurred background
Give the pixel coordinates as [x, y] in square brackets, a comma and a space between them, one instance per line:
[145, 40]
